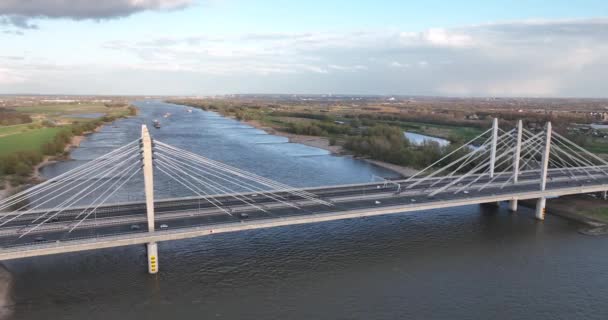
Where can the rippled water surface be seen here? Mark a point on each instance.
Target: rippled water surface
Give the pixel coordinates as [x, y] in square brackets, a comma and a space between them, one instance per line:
[474, 262]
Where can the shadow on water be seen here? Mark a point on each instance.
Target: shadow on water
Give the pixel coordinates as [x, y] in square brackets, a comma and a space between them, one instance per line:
[6, 300]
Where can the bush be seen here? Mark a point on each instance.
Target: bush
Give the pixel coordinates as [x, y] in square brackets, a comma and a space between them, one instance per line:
[22, 169]
[48, 124]
[8, 163]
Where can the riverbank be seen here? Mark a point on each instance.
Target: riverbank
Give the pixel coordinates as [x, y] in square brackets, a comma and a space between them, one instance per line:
[74, 143]
[35, 176]
[324, 143]
[579, 208]
[311, 141]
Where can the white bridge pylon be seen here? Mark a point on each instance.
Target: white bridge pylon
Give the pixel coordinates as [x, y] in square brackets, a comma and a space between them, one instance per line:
[78, 202]
[501, 157]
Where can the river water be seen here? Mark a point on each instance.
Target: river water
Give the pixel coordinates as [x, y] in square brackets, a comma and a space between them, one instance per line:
[461, 263]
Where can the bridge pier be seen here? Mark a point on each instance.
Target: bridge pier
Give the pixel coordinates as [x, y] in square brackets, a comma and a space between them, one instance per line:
[541, 208]
[146, 150]
[516, 159]
[152, 257]
[542, 201]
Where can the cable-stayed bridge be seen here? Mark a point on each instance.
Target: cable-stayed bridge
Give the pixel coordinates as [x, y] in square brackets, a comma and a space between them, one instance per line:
[81, 209]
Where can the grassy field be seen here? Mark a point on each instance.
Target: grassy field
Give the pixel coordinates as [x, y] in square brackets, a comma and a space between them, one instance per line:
[597, 145]
[55, 110]
[26, 141]
[24, 146]
[10, 130]
[598, 213]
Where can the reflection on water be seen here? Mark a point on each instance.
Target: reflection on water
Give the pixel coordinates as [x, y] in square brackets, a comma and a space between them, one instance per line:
[460, 263]
[6, 301]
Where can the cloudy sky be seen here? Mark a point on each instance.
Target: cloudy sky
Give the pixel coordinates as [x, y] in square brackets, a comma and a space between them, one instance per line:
[432, 47]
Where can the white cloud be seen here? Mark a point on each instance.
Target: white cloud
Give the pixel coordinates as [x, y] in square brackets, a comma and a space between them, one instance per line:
[529, 58]
[9, 76]
[347, 68]
[442, 37]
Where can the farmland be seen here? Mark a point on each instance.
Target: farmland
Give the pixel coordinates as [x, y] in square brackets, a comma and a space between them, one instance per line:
[52, 126]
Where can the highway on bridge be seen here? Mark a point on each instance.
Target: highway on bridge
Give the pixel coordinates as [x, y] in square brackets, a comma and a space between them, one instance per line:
[196, 212]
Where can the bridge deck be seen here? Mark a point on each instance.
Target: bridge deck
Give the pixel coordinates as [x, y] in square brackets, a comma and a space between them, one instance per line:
[186, 221]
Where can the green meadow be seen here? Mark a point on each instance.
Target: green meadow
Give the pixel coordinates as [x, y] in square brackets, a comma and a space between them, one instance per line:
[30, 140]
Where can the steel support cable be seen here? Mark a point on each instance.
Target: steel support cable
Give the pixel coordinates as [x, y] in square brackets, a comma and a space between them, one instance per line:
[213, 185]
[532, 151]
[565, 143]
[248, 175]
[48, 200]
[160, 168]
[184, 178]
[556, 150]
[75, 197]
[554, 164]
[481, 175]
[70, 201]
[449, 154]
[56, 191]
[177, 178]
[48, 183]
[499, 174]
[265, 182]
[532, 158]
[487, 171]
[577, 160]
[106, 198]
[214, 189]
[466, 161]
[193, 169]
[580, 148]
[533, 142]
[535, 147]
[58, 212]
[245, 185]
[109, 189]
[482, 150]
[466, 186]
[477, 168]
[575, 155]
[251, 176]
[510, 151]
[474, 170]
[197, 165]
[58, 186]
[198, 159]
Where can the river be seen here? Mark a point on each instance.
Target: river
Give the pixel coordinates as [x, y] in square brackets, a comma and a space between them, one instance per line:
[461, 263]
